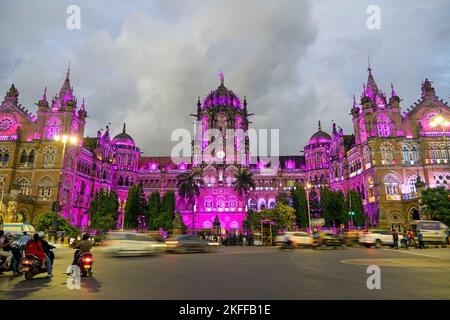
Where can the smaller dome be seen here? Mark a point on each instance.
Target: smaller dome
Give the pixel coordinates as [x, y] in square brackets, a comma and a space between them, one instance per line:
[123, 138]
[319, 137]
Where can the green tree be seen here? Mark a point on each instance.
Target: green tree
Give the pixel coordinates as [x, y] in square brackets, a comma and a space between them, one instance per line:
[189, 187]
[216, 225]
[300, 206]
[154, 207]
[167, 212]
[355, 205]
[178, 224]
[103, 211]
[44, 223]
[283, 197]
[243, 183]
[314, 204]
[436, 204]
[284, 216]
[132, 208]
[334, 208]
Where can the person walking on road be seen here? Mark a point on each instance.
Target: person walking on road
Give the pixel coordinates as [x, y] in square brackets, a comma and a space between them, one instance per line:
[420, 238]
[395, 238]
[411, 239]
[405, 239]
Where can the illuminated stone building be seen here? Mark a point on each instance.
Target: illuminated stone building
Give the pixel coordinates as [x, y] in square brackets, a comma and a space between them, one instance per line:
[381, 160]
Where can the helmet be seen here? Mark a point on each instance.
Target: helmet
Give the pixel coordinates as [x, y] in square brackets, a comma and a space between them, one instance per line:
[41, 234]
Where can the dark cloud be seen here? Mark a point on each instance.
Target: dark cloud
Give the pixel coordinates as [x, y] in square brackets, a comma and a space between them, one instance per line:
[296, 61]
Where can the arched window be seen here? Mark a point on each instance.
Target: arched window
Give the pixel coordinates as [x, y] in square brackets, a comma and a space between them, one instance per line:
[45, 188]
[391, 184]
[120, 181]
[4, 156]
[49, 157]
[208, 202]
[412, 180]
[384, 126]
[410, 153]
[25, 187]
[53, 127]
[387, 153]
[23, 158]
[31, 157]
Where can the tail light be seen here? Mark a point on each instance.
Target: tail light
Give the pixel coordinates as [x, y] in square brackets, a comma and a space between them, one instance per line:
[88, 260]
[27, 262]
[171, 242]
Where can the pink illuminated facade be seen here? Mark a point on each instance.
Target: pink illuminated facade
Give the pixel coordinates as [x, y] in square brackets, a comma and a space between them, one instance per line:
[381, 160]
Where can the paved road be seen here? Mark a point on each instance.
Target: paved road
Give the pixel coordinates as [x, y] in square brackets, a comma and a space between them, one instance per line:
[248, 273]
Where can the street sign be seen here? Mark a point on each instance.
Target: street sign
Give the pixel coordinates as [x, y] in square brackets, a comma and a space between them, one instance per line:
[318, 222]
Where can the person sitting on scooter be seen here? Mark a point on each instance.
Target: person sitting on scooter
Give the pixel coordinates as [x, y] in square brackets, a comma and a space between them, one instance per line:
[84, 246]
[34, 247]
[46, 246]
[16, 254]
[7, 254]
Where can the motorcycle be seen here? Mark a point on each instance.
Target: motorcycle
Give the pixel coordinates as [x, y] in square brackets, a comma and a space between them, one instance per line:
[85, 262]
[32, 265]
[17, 255]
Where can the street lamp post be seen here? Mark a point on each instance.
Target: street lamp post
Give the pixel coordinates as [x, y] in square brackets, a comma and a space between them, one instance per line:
[308, 186]
[440, 121]
[64, 139]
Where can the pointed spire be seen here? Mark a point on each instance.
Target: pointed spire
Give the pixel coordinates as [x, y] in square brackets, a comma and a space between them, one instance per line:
[355, 105]
[320, 126]
[372, 88]
[83, 108]
[68, 70]
[66, 91]
[393, 93]
[124, 128]
[44, 96]
[222, 78]
[245, 102]
[199, 104]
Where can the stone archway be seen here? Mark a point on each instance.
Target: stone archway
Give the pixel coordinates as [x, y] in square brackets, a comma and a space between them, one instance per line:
[396, 221]
[414, 214]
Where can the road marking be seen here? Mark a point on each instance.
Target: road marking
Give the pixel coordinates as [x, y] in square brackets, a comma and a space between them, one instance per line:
[418, 254]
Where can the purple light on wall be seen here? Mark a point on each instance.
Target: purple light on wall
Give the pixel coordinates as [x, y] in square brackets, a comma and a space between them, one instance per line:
[153, 166]
[261, 165]
[290, 164]
[182, 166]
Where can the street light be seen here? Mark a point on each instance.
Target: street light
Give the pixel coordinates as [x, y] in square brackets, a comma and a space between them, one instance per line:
[308, 187]
[64, 139]
[440, 121]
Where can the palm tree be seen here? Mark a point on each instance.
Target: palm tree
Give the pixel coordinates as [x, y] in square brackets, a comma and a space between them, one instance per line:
[189, 187]
[244, 181]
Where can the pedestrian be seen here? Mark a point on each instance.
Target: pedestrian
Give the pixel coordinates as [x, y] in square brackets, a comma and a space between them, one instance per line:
[395, 238]
[420, 238]
[405, 239]
[411, 238]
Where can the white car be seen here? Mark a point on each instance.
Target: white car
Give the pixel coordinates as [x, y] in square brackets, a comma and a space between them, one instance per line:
[294, 239]
[376, 238]
[131, 244]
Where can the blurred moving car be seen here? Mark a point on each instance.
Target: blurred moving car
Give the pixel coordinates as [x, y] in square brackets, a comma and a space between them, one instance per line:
[294, 239]
[376, 238]
[131, 244]
[327, 239]
[433, 231]
[352, 237]
[188, 243]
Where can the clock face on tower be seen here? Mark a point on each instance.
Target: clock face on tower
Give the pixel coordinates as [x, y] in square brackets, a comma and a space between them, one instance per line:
[220, 154]
[5, 124]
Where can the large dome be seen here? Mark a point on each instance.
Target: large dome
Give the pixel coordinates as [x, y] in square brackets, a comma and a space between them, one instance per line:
[319, 137]
[222, 96]
[123, 138]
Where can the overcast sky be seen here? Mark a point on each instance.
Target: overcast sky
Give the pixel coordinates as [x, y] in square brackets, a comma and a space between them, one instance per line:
[146, 62]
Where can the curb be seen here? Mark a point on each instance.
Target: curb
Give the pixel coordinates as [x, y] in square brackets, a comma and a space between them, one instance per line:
[437, 246]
